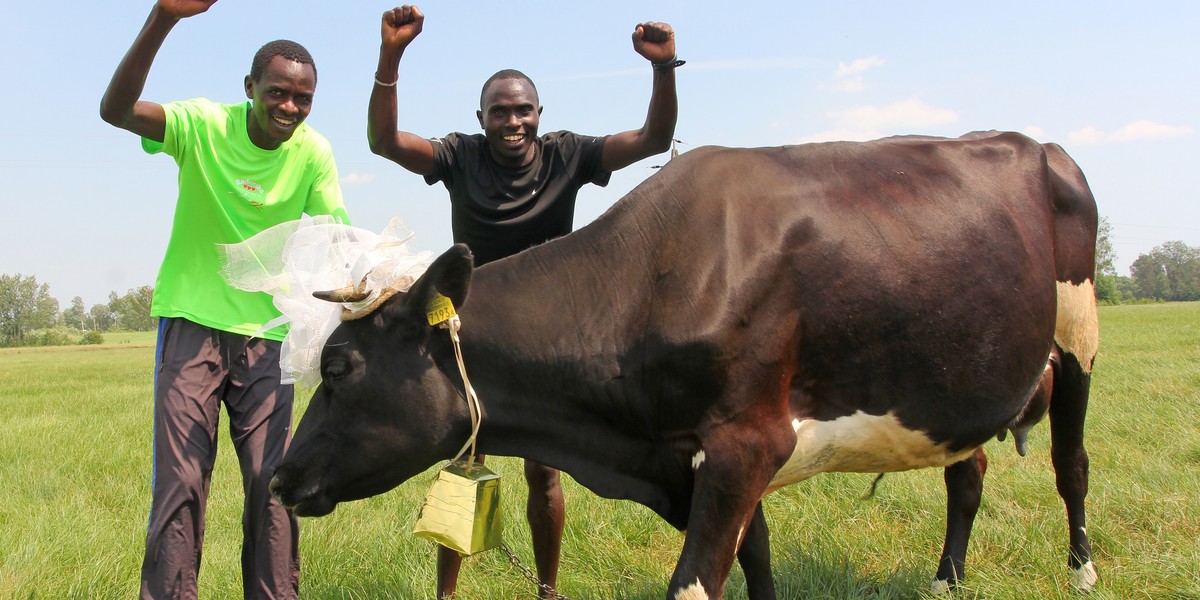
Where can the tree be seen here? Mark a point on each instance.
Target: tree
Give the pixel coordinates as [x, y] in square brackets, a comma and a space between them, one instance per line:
[76, 317]
[1106, 272]
[1170, 272]
[1107, 291]
[1126, 287]
[133, 309]
[1106, 257]
[24, 307]
[101, 318]
[1149, 276]
[1182, 265]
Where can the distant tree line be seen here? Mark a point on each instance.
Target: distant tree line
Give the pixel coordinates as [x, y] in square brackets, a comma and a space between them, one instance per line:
[1170, 272]
[30, 316]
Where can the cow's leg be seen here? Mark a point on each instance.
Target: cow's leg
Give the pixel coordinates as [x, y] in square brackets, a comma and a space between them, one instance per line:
[733, 468]
[718, 519]
[449, 562]
[546, 513]
[754, 555]
[964, 489]
[1068, 408]
[447, 572]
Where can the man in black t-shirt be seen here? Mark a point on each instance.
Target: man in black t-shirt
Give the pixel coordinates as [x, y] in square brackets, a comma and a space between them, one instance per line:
[500, 210]
[510, 190]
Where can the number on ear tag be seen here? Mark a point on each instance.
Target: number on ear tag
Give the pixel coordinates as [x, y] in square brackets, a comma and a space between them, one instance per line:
[440, 309]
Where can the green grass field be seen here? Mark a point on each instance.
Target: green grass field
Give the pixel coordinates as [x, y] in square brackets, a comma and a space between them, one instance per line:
[75, 472]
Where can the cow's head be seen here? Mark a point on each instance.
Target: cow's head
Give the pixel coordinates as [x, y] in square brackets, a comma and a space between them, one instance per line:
[384, 411]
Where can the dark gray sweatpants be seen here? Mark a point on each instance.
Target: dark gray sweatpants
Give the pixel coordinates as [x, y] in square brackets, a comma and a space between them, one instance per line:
[197, 369]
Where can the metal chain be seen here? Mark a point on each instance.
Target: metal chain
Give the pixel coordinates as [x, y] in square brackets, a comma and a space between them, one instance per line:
[529, 574]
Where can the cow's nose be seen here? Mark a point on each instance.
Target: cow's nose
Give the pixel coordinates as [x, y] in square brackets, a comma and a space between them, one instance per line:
[276, 487]
[279, 485]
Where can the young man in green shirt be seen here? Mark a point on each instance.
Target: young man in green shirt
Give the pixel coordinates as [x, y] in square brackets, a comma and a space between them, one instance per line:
[242, 168]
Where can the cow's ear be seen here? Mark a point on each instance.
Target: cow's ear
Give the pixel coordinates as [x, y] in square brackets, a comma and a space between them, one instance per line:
[449, 276]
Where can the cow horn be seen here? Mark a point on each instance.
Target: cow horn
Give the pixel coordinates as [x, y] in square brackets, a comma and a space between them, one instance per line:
[358, 312]
[350, 293]
[346, 294]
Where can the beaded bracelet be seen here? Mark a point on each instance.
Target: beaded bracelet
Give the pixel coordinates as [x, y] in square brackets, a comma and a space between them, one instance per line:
[392, 84]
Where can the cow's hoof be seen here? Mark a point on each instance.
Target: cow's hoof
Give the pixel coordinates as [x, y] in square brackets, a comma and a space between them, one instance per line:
[941, 587]
[1085, 578]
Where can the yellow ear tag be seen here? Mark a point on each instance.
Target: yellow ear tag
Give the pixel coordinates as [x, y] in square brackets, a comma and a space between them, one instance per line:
[440, 309]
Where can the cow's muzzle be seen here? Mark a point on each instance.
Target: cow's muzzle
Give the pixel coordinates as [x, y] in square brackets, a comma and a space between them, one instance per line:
[304, 500]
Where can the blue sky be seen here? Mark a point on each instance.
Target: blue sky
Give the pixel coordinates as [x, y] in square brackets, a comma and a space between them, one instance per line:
[1115, 83]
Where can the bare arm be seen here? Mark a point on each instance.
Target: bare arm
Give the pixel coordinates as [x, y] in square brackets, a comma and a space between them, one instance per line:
[400, 26]
[655, 42]
[121, 105]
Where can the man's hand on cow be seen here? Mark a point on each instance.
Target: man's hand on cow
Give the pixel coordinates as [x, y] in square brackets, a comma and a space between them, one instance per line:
[654, 41]
[182, 9]
[401, 25]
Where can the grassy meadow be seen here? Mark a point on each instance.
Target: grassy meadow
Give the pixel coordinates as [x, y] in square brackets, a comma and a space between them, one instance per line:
[75, 472]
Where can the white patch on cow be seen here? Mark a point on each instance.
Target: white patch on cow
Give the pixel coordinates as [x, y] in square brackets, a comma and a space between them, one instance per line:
[860, 443]
[692, 592]
[940, 587]
[1077, 328]
[1085, 577]
[697, 460]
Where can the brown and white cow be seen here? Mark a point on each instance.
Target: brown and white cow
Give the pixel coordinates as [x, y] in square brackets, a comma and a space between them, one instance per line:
[743, 320]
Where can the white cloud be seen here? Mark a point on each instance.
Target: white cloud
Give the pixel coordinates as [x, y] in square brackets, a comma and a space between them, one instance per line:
[1034, 132]
[1148, 130]
[858, 66]
[1086, 136]
[905, 115]
[1136, 131]
[849, 76]
[357, 178]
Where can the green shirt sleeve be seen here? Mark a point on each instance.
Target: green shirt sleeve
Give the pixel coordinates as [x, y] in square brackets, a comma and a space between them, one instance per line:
[326, 196]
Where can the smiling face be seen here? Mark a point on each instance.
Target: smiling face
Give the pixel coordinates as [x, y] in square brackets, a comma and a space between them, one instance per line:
[281, 99]
[509, 114]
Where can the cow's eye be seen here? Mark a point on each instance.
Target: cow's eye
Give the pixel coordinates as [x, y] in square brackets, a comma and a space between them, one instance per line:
[335, 369]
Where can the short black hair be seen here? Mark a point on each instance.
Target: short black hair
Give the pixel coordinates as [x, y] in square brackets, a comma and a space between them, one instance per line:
[285, 48]
[501, 75]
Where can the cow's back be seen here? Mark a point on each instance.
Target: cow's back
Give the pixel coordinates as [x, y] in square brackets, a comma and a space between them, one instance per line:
[911, 277]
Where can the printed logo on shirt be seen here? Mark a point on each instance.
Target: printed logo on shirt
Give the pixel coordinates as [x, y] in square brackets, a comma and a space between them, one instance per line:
[252, 192]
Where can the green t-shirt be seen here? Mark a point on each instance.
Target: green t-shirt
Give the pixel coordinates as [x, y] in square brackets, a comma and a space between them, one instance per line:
[229, 190]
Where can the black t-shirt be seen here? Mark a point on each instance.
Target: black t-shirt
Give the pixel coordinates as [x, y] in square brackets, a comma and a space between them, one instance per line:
[499, 211]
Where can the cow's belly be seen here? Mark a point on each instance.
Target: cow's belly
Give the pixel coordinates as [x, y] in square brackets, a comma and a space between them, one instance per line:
[860, 443]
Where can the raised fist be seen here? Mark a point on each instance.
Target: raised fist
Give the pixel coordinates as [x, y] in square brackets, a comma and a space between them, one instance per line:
[654, 41]
[182, 9]
[401, 25]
